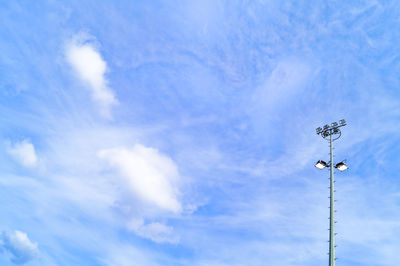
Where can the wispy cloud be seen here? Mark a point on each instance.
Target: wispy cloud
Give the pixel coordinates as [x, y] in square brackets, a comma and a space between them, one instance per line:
[157, 232]
[91, 68]
[208, 159]
[286, 80]
[22, 249]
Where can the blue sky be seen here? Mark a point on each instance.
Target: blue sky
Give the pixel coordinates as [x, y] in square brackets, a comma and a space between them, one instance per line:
[183, 132]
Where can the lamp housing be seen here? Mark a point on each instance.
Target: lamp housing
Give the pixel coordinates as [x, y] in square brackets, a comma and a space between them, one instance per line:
[341, 166]
[321, 164]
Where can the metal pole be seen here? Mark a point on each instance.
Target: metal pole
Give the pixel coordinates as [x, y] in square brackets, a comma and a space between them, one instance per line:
[332, 261]
[325, 132]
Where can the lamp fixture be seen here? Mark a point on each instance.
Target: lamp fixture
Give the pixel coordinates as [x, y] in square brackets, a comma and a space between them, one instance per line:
[341, 166]
[321, 164]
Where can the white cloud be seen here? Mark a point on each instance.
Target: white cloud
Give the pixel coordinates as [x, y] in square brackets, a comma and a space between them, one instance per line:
[23, 152]
[20, 246]
[148, 174]
[91, 68]
[155, 231]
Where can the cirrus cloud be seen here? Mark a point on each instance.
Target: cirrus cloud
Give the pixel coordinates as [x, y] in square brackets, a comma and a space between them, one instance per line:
[155, 231]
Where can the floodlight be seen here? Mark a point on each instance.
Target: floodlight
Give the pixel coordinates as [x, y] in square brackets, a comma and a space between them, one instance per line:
[321, 164]
[341, 166]
[318, 130]
[342, 122]
[326, 127]
[334, 124]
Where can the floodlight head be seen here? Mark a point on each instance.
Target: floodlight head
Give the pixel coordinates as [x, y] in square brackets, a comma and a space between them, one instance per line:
[321, 164]
[341, 166]
[334, 124]
[342, 122]
[318, 130]
[326, 127]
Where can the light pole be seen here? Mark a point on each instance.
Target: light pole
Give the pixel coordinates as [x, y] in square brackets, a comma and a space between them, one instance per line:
[331, 133]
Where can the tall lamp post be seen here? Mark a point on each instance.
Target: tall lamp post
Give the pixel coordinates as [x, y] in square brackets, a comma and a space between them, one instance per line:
[331, 133]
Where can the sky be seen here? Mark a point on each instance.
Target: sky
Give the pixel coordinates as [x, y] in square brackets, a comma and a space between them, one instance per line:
[183, 132]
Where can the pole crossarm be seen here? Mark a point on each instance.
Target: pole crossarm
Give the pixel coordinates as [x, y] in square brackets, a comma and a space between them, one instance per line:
[332, 130]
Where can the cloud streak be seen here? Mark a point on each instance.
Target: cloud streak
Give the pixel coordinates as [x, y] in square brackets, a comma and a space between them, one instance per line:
[155, 231]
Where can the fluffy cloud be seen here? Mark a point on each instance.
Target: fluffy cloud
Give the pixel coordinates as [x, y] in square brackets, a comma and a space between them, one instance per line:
[149, 174]
[19, 245]
[23, 152]
[90, 67]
